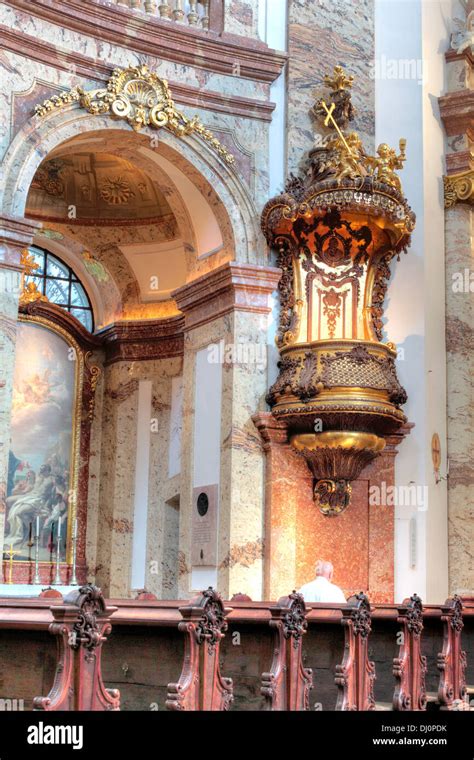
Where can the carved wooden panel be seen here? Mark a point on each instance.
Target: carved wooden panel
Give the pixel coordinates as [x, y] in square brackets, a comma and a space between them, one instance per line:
[288, 683]
[81, 625]
[452, 659]
[201, 685]
[356, 674]
[409, 668]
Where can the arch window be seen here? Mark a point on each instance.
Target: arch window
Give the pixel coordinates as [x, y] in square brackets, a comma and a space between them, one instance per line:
[59, 283]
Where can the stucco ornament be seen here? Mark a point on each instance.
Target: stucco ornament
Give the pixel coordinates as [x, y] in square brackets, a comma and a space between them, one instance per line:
[141, 98]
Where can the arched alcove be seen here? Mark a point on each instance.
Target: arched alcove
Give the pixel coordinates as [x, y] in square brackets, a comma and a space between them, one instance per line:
[197, 181]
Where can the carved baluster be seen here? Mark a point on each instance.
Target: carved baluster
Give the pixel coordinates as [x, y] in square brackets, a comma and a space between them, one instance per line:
[452, 659]
[409, 668]
[81, 625]
[136, 4]
[193, 16]
[150, 6]
[178, 13]
[205, 16]
[287, 685]
[201, 685]
[165, 10]
[356, 674]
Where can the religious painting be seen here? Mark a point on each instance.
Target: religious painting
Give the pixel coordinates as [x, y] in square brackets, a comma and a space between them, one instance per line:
[43, 446]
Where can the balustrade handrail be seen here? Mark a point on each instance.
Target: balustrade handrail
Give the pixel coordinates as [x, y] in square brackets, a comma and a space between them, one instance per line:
[35, 613]
[206, 15]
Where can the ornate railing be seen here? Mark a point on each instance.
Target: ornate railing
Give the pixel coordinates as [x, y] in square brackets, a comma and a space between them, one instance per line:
[211, 630]
[201, 14]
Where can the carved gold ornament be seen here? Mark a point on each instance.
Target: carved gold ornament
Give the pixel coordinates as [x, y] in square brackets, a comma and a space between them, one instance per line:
[27, 261]
[343, 154]
[338, 80]
[141, 98]
[336, 228]
[30, 293]
[29, 290]
[459, 188]
[94, 375]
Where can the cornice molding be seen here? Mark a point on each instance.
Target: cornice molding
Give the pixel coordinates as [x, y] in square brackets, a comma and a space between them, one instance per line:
[177, 43]
[145, 221]
[63, 319]
[15, 234]
[16, 229]
[273, 432]
[457, 112]
[231, 287]
[47, 53]
[467, 55]
[141, 340]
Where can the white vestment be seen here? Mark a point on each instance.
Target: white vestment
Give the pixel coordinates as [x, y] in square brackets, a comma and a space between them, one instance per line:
[322, 590]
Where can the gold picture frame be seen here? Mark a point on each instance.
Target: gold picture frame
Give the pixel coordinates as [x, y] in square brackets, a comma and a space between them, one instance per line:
[79, 369]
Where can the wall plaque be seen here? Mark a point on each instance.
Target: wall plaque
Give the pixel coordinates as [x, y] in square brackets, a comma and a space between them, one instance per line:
[204, 525]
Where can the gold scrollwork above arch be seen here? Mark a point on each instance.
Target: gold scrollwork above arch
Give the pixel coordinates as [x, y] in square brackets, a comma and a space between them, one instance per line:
[141, 98]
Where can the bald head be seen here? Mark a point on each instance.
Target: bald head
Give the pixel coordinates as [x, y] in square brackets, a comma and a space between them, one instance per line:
[324, 569]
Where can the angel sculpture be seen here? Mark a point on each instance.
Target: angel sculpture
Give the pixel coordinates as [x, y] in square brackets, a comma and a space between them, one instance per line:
[347, 156]
[463, 38]
[382, 168]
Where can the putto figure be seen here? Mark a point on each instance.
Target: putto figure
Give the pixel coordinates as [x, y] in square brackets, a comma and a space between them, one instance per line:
[383, 167]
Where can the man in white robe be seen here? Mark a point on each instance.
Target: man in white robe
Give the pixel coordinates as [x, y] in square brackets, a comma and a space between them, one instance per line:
[321, 589]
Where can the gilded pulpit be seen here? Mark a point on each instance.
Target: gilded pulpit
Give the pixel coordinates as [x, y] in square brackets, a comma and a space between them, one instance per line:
[337, 401]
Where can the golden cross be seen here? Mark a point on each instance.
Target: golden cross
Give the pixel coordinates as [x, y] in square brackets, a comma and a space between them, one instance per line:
[330, 118]
[11, 553]
[27, 260]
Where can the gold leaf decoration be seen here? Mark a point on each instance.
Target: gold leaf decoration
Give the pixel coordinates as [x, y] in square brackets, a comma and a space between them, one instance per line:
[29, 290]
[459, 188]
[141, 98]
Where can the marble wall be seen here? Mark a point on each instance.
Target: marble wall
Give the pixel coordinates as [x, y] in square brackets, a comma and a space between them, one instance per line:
[235, 315]
[457, 113]
[114, 445]
[321, 35]
[231, 94]
[460, 413]
[241, 17]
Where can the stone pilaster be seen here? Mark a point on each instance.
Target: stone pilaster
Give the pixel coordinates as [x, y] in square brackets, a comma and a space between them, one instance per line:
[15, 235]
[226, 314]
[457, 113]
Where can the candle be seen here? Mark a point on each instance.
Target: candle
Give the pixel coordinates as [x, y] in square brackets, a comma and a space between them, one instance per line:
[30, 529]
[37, 525]
[59, 528]
[74, 530]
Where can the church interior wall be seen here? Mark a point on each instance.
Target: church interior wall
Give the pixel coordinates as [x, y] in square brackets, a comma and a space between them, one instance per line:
[216, 212]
